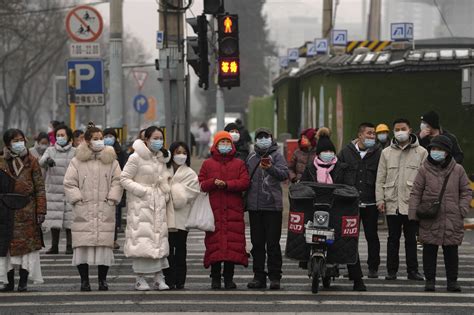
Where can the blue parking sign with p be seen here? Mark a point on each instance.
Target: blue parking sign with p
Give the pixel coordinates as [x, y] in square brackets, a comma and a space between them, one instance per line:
[89, 89]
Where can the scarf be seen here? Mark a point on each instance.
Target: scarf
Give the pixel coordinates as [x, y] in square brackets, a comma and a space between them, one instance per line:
[17, 159]
[324, 169]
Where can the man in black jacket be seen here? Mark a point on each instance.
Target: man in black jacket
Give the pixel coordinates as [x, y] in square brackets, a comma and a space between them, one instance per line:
[362, 157]
[430, 128]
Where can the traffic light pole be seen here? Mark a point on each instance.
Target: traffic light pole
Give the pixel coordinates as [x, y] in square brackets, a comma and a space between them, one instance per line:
[116, 108]
[220, 103]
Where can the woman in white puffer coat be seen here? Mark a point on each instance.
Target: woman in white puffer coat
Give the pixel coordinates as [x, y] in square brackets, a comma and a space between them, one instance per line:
[92, 186]
[55, 161]
[184, 190]
[150, 213]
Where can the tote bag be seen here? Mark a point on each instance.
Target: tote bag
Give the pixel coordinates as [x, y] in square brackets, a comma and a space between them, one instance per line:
[201, 216]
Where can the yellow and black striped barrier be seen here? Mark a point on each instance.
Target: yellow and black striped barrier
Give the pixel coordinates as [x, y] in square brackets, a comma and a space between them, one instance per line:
[375, 45]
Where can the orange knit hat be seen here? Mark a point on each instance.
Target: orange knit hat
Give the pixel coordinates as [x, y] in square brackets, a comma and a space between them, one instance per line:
[221, 135]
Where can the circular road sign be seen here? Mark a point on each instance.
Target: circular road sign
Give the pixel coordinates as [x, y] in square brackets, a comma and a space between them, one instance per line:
[140, 103]
[84, 24]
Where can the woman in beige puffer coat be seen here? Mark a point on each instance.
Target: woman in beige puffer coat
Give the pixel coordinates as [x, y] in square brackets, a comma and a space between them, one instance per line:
[149, 213]
[447, 228]
[92, 186]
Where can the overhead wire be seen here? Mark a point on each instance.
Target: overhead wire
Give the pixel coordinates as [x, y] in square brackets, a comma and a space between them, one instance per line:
[442, 18]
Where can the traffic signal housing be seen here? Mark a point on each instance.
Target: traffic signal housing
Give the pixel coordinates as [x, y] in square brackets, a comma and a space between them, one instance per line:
[213, 7]
[197, 50]
[229, 54]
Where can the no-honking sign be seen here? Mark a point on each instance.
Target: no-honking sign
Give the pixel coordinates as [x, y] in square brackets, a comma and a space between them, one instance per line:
[84, 24]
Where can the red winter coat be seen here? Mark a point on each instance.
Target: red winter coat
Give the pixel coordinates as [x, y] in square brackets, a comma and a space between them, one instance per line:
[227, 242]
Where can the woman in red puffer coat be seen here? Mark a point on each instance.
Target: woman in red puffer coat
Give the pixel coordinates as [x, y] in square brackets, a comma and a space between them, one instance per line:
[225, 178]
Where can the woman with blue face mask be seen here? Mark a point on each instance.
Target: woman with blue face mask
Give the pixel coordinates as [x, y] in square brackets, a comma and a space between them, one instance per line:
[446, 229]
[150, 214]
[225, 177]
[55, 162]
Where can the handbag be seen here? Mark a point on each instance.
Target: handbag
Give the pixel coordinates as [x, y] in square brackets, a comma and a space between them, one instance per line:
[201, 216]
[430, 210]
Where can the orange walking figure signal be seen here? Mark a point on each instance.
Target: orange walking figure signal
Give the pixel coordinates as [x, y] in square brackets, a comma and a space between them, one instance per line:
[228, 25]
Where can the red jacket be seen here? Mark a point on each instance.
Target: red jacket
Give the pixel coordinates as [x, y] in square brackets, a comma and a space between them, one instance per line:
[227, 242]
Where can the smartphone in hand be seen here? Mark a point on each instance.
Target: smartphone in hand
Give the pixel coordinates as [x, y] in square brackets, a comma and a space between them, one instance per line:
[265, 161]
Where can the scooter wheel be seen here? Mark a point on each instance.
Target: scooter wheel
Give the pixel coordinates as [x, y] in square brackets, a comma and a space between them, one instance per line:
[315, 274]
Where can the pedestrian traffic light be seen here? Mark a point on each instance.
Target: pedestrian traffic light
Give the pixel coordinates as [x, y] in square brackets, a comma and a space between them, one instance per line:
[229, 55]
[197, 51]
[213, 7]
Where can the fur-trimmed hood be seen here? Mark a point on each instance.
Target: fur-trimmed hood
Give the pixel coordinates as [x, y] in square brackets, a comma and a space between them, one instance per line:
[106, 156]
[142, 150]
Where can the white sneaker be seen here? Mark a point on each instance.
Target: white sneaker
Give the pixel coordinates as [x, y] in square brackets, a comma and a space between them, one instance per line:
[141, 284]
[159, 283]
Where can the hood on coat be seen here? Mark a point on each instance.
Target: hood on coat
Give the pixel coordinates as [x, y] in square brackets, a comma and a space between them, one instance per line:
[84, 154]
[142, 150]
[413, 142]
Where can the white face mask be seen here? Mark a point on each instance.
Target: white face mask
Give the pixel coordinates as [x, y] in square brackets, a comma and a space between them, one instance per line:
[402, 136]
[97, 145]
[235, 136]
[180, 159]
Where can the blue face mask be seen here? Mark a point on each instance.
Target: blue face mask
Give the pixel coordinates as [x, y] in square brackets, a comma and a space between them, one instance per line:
[326, 157]
[224, 148]
[109, 141]
[62, 141]
[438, 156]
[156, 145]
[382, 137]
[18, 147]
[264, 143]
[369, 143]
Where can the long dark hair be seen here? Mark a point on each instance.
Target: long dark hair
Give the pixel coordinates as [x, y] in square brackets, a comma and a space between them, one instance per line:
[10, 134]
[176, 145]
[68, 130]
[149, 131]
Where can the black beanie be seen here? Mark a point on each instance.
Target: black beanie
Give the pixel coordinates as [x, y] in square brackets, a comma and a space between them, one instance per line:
[441, 142]
[324, 144]
[231, 126]
[432, 119]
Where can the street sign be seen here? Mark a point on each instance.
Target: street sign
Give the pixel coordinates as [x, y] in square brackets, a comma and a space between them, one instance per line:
[90, 89]
[311, 49]
[84, 24]
[321, 46]
[284, 62]
[140, 103]
[159, 39]
[84, 50]
[401, 31]
[140, 77]
[293, 54]
[339, 37]
[150, 114]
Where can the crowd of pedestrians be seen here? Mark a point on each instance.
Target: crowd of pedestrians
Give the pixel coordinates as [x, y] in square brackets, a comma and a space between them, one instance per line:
[78, 182]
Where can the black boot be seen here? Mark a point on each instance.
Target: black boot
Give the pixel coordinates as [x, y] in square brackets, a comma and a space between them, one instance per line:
[68, 242]
[359, 285]
[257, 283]
[430, 285]
[84, 273]
[54, 242]
[453, 286]
[23, 283]
[216, 282]
[103, 286]
[229, 283]
[11, 284]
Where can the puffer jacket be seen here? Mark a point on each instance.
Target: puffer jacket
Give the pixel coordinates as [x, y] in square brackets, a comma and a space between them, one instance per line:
[227, 242]
[59, 210]
[92, 186]
[396, 173]
[298, 163]
[361, 173]
[265, 191]
[147, 182]
[448, 227]
[184, 190]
